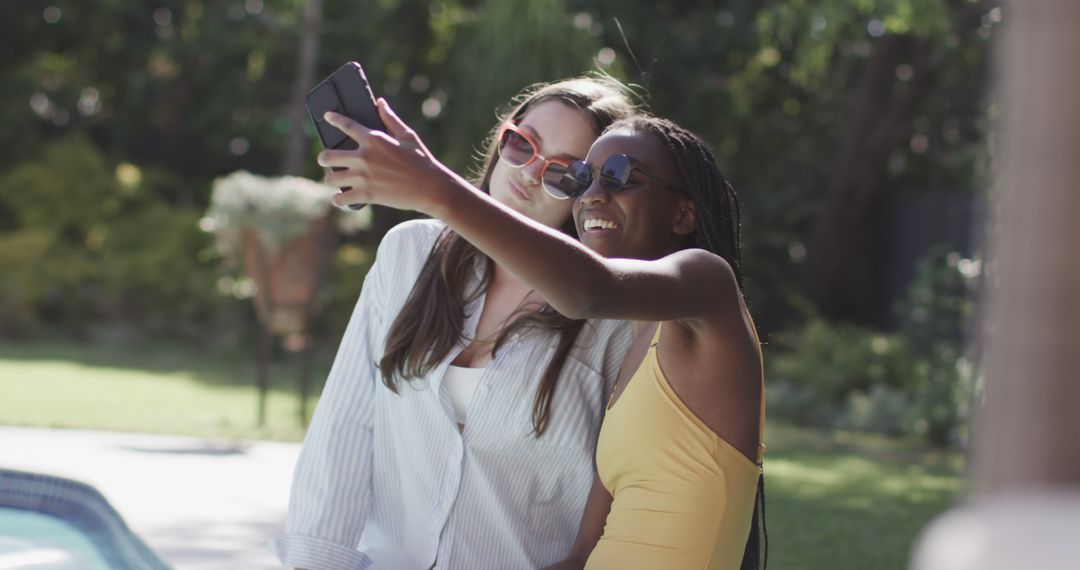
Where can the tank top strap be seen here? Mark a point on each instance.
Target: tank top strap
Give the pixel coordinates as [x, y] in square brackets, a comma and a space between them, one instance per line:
[761, 417]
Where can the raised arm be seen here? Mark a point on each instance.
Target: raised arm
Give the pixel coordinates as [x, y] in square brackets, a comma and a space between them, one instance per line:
[395, 169]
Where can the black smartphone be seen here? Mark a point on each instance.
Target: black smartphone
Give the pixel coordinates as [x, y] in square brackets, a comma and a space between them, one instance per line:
[346, 91]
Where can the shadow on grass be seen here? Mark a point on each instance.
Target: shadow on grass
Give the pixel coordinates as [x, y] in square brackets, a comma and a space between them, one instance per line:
[215, 367]
[207, 451]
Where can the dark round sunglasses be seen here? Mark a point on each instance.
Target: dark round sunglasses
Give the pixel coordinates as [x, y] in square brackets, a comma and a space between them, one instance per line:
[614, 176]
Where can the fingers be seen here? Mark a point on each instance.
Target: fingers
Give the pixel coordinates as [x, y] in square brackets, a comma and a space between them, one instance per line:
[371, 146]
[340, 158]
[353, 129]
[349, 197]
[395, 127]
[350, 177]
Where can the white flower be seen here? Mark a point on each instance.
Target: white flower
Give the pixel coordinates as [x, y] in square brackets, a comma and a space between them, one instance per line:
[278, 209]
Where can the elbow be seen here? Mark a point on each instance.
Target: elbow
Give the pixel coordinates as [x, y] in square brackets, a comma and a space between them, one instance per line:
[578, 309]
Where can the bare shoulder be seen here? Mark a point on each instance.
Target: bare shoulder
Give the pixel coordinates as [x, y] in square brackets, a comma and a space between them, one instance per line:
[715, 366]
[702, 262]
[712, 286]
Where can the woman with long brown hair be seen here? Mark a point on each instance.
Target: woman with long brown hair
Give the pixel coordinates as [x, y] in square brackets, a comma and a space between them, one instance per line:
[459, 421]
[679, 472]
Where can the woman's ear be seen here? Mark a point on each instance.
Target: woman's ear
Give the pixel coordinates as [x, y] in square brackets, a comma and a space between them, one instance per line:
[686, 219]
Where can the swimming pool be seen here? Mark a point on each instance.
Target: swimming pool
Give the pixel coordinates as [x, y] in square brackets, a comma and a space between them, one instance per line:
[52, 523]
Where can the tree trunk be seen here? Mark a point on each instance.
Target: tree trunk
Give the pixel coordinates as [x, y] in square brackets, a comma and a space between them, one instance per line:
[296, 143]
[880, 122]
[1026, 508]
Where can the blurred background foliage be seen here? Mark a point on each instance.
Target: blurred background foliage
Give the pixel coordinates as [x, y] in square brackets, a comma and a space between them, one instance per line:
[856, 133]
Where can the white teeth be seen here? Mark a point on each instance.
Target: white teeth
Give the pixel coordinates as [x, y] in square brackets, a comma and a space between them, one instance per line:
[594, 223]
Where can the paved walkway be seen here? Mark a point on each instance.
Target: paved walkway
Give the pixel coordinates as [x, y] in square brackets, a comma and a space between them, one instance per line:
[201, 505]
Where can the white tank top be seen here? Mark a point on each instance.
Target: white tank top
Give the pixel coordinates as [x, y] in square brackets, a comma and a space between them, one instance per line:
[461, 385]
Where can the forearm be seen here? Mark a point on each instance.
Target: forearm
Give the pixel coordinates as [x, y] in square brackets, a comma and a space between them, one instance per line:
[331, 489]
[564, 271]
[395, 169]
[398, 171]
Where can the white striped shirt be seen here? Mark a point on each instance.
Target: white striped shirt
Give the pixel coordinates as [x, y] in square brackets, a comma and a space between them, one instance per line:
[386, 480]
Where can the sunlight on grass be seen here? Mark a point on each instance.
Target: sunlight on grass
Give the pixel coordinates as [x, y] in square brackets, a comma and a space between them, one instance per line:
[835, 500]
[56, 393]
[852, 501]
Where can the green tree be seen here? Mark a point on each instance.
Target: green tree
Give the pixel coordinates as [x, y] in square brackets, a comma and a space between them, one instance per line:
[819, 111]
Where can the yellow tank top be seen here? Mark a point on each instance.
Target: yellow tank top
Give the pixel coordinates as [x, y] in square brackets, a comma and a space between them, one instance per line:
[683, 497]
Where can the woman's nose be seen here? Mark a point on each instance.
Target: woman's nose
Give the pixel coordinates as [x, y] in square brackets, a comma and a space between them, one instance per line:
[595, 193]
[532, 172]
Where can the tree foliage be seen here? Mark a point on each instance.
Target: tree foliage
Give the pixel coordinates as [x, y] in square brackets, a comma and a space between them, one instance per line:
[188, 90]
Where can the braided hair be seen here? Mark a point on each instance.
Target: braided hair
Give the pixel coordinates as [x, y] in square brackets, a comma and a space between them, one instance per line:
[718, 230]
[718, 212]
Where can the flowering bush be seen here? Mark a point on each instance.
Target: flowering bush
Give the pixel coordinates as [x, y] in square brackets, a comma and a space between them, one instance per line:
[278, 209]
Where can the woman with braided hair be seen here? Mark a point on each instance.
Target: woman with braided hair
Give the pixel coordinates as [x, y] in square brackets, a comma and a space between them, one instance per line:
[679, 454]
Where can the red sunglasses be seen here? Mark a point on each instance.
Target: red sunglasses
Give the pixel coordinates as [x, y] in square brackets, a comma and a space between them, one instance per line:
[518, 149]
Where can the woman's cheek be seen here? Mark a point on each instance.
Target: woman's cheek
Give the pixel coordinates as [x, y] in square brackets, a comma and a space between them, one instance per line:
[556, 211]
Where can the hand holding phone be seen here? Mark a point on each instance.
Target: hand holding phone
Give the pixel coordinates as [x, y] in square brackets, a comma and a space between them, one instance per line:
[346, 91]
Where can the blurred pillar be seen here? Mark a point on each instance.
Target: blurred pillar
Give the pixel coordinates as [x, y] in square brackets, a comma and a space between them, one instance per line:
[1025, 504]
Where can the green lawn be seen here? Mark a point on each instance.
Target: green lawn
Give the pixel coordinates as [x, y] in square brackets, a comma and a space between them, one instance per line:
[148, 388]
[842, 501]
[835, 501]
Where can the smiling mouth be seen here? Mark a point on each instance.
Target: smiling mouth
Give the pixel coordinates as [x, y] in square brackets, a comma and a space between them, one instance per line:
[598, 225]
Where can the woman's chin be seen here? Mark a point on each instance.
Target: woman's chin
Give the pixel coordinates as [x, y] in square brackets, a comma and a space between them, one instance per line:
[605, 243]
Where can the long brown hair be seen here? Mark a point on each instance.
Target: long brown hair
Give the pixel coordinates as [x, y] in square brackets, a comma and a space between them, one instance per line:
[430, 323]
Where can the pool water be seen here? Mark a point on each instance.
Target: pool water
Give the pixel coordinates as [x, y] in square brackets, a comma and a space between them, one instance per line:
[34, 541]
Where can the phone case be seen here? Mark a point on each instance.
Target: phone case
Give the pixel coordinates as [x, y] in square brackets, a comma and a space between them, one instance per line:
[346, 91]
